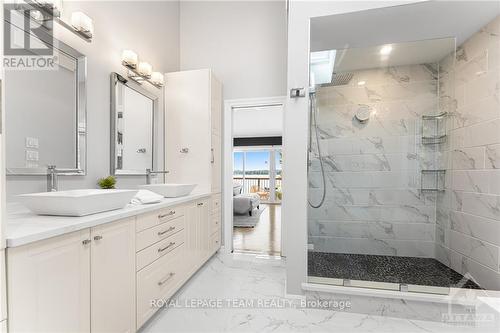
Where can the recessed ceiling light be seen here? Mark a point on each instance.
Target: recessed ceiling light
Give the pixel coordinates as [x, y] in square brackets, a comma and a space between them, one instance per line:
[385, 50]
[361, 83]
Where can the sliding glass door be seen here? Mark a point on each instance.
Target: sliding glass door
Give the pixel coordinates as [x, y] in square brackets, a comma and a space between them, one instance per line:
[258, 170]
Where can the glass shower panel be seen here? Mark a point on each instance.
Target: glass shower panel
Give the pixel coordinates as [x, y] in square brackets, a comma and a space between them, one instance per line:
[377, 170]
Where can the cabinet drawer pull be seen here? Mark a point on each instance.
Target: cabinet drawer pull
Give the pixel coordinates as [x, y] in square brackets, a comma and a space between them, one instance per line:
[161, 249]
[165, 231]
[165, 280]
[96, 238]
[172, 212]
[200, 204]
[86, 241]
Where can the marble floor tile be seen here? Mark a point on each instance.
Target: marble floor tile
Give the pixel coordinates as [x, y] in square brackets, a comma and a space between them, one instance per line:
[249, 278]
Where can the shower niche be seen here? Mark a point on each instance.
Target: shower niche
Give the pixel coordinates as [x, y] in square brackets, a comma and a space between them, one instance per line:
[434, 129]
[433, 180]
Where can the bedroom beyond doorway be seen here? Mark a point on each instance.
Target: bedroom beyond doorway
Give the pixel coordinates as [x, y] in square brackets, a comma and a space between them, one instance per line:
[257, 196]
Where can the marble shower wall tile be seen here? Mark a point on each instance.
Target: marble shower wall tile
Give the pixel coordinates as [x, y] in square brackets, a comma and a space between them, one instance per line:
[404, 248]
[468, 213]
[468, 158]
[492, 160]
[374, 169]
[487, 277]
[367, 180]
[476, 226]
[332, 211]
[373, 230]
[475, 249]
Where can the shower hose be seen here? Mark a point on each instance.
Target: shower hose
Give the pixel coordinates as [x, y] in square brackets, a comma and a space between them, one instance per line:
[314, 123]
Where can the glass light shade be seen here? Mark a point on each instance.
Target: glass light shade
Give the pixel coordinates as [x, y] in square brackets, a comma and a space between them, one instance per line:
[82, 22]
[129, 58]
[145, 69]
[157, 78]
[57, 6]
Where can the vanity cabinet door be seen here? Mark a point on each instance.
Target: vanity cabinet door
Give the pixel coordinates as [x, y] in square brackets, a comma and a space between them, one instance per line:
[203, 229]
[49, 285]
[113, 277]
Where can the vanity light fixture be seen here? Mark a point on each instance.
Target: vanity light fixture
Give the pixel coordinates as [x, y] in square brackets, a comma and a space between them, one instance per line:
[82, 24]
[44, 11]
[157, 78]
[145, 69]
[129, 58]
[386, 50]
[54, 7]
[142, 72]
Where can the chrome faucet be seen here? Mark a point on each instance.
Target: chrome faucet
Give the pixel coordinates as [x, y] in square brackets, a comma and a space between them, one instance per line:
[52, 173]
[149, 172]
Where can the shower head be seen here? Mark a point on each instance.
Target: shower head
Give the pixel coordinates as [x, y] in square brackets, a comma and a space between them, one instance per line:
[339, 79]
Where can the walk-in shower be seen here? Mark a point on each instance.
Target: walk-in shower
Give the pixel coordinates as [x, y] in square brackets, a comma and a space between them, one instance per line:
[402, 160]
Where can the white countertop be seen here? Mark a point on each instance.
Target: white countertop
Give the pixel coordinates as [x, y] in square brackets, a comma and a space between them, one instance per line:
[24, 227]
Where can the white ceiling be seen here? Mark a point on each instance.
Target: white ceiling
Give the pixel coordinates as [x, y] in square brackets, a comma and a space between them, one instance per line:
[405, 23]
[258, 121]
[421, 52]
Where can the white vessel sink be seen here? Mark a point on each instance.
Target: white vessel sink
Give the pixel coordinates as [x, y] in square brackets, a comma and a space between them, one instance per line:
[170, 190]
[76, 202]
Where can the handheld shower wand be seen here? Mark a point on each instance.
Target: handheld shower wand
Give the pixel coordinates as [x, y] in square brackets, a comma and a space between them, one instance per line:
[313, 123]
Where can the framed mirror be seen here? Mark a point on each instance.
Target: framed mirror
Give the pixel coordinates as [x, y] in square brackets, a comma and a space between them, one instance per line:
[132, 127]
[45, 112]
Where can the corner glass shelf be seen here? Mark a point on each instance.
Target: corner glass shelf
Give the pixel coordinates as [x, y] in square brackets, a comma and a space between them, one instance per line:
[434, 129]
[432, 180]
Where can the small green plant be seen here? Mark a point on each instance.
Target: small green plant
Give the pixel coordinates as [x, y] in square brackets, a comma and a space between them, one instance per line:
[107, 183]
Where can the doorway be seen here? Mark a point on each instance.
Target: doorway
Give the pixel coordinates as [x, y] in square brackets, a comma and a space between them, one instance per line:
[257, 174]
[253, 176]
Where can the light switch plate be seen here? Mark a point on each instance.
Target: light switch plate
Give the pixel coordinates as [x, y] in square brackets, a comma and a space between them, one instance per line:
[31, 142]
[31, 155]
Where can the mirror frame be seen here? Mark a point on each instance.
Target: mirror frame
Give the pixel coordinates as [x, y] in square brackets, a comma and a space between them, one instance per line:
[80, 168]
[119, 79]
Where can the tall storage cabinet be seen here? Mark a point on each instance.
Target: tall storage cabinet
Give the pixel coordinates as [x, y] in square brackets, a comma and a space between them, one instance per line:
[193, 102]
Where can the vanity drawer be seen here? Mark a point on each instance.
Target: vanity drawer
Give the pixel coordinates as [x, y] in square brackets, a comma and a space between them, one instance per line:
[160, 280]
[161, 216]
[215, 222]
[216, 203]
[150, 254]
[150, 236]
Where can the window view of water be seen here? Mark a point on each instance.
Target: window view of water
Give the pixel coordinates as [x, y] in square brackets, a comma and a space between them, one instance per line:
[254, 171]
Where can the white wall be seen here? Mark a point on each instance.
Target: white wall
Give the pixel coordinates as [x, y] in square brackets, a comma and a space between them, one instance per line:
[244, 42]
[149, 28]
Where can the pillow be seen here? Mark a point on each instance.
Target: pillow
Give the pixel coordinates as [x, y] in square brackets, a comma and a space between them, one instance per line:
[236, 189]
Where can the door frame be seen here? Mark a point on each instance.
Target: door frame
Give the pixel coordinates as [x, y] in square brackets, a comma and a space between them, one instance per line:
[227, 164]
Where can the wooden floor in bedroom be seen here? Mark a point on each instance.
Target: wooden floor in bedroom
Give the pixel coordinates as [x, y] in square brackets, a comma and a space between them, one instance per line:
[265, 237]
